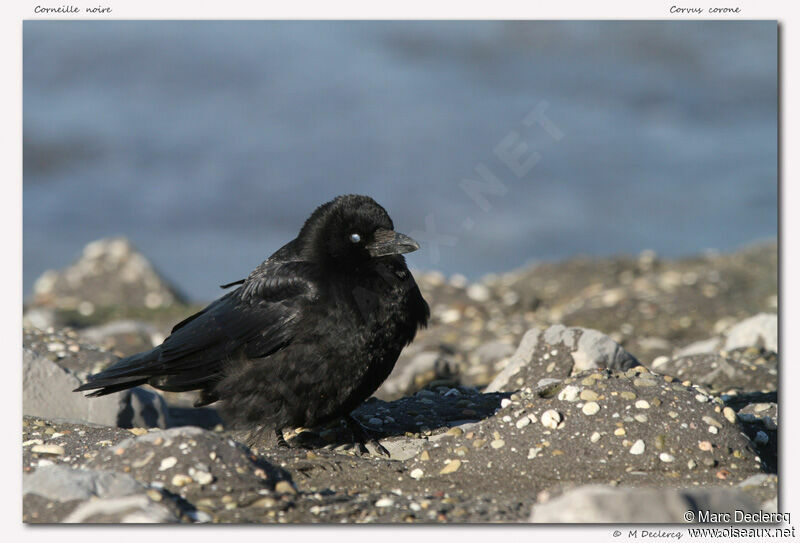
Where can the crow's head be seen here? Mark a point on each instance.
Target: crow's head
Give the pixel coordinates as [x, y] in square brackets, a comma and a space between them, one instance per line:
[352, 230]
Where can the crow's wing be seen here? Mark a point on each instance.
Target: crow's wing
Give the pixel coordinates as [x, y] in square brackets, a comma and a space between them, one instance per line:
[253, 321]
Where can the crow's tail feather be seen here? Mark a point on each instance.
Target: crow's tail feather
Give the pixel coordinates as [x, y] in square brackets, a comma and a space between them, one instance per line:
[126, 373]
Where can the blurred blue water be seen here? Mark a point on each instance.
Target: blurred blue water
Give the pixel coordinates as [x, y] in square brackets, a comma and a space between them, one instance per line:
[208, 143]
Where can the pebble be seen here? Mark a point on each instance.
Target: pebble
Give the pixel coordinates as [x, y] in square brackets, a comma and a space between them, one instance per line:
[729, 414]
[523, 422]
[640, 417]
[285, 487]
[713, 429]
[181, 480]
[497, 443]
[451, 467]
[384, 502]
[138, 431]
[704, 445]
[702, 398]
[167, 463]
[142, 462]
[637, 448]
[761, 437]
[450, 316]
[569, 394]
[505, 402]
[203, 477]
[666, 457]
[416, 474]
[627, 395]
[642, 404]
[712, 421]
[478, 292]
[590, 408]
[640, 382]
[595, 437]
[534, 452]
[154, 495]
[551, 418]
[619, 432]
[659, 361]
[589, 395]
[56, 450]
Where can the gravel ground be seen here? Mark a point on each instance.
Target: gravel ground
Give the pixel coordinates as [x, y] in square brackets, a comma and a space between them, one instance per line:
[534, 395]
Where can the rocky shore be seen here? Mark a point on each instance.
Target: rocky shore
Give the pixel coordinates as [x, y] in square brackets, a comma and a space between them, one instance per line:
[625, 389]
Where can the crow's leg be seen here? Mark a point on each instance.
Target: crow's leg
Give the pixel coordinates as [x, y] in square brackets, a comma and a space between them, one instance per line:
[281, 440]
[363, 437]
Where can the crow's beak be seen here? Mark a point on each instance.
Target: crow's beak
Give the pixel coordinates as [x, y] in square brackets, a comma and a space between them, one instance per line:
[389, 242]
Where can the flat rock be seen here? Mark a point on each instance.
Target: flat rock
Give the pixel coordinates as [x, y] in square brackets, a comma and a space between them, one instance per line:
[48, 393]
[58, 493]
[61, 483]
[604, 504]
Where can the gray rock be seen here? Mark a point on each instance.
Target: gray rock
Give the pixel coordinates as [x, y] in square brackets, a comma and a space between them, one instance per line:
[522, 356]
[48, 393]
[491, 352]
[557, 353]
[758, 331]
[61, 483]
[423, 367]
[138, 509]
[603, 504]
[597, 350]
[404, 448]
[143, 409]
[705, 346]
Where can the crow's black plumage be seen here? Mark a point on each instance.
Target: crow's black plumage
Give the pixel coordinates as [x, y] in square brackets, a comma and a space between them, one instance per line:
[309, 335]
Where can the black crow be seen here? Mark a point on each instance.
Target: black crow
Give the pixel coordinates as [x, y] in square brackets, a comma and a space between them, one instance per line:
[309, 335]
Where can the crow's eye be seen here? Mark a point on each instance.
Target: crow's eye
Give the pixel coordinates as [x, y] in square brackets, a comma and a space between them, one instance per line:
[355, 238]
